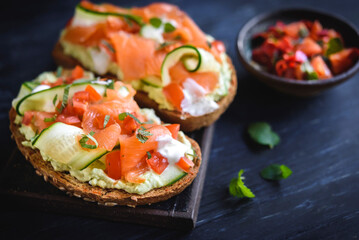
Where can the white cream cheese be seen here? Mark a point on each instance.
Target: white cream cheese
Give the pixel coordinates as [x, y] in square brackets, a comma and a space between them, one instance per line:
[171, 149]
[40, 88]
[100, 59]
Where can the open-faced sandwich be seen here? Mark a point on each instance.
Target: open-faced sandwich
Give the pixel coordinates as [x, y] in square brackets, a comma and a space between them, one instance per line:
[182, 73]
[89, 137]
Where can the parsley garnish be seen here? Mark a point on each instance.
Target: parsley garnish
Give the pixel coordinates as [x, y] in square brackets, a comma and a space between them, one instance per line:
[142, 134]
[276, 172]
[335, 45]
[156, 22]
[169, 28]
[85, 138]
[149, 156]
[107, 118]
[54, 100]
[59, 71]
[238, 189]
[261, 132]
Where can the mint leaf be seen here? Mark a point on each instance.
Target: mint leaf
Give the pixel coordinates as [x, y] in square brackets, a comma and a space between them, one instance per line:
[261, 132]
[155, 22]
[149, 156]
[85, 138]
[308, 69]
[142, 134]
[334, 45]
[238, 189]
[65, 98]
[123, 115]
[54, 100]
[52, 119]
[169, 28]
[276, 172]
[303, 32]
[59, 71]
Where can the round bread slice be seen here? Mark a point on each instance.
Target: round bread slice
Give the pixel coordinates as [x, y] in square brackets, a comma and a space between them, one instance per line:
[188, 123]
[108, 197]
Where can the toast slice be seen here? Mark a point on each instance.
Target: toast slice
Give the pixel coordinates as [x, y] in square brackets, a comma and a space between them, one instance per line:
[188, 123]
[108, 197]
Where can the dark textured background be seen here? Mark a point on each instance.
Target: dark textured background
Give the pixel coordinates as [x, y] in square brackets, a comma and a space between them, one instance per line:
[320, 137]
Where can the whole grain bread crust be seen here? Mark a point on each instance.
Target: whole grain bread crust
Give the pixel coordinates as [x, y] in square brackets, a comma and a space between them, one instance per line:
[108, 197]
[188, 123]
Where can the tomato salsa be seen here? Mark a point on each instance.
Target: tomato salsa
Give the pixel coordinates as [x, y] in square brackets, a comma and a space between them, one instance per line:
[302, 50]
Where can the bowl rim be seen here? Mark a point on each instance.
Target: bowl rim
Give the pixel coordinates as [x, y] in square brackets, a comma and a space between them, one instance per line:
[254, 20]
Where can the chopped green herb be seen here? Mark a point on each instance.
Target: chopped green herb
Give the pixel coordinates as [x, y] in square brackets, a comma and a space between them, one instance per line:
[123, 115]
[52, 119]
[108, 45]
[107, 118]
[85, 138]
[65, 98]
[54, 100]
[209, 44]
[238, 189]
[261, 132]
[169, 27]
[142, 134]
[59, 71]
[334, 45]
[111, 84]
[303, 32]
[149, 156]
[276, 172]
[156, 22]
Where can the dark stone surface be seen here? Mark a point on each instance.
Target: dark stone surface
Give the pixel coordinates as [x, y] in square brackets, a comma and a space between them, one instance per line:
[320, 138]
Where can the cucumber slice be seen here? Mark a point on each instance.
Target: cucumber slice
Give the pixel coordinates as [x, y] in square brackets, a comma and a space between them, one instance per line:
[42, 100]
[25, 89]
[192, 61]
[152, 81]
[60, 143]
[95, 16]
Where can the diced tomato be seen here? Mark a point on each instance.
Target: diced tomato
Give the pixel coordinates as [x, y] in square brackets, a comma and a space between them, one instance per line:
[343, 60]
[113, 164]
[174, 94]
[77, 73]
[129, 125]
[28, 117]
[81, 96]
[79, 108]
[280, 67]
[293, 29]
[320, 68]
[94, 95]
[309, 47]
[157, 162]
[185, 164]
[174, 128]
[39, 120]
[219, 46]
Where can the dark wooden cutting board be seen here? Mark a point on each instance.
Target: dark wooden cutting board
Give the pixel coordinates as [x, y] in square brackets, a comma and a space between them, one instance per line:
[20, 187]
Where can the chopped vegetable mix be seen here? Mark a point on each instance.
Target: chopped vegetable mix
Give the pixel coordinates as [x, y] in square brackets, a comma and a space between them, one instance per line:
[303, 50]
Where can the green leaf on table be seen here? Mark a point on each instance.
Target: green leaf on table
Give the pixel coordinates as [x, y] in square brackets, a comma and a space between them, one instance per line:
[261, 132]
[276, 172]
[334, 45]
[238, 189]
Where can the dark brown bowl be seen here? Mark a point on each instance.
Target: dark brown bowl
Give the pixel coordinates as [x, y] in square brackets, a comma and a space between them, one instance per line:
[291, 86]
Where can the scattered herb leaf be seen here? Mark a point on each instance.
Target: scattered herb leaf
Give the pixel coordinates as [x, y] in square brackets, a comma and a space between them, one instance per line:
[142, 134]
[107, 118]
[334, 45]
[276, 172]
[238, 189]
[156, 22]
[165, 44]
[261, 132]
[59, 71]
[169, 28]
[149, 156]
[209, 44]
[308, 69]
[85, 138]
